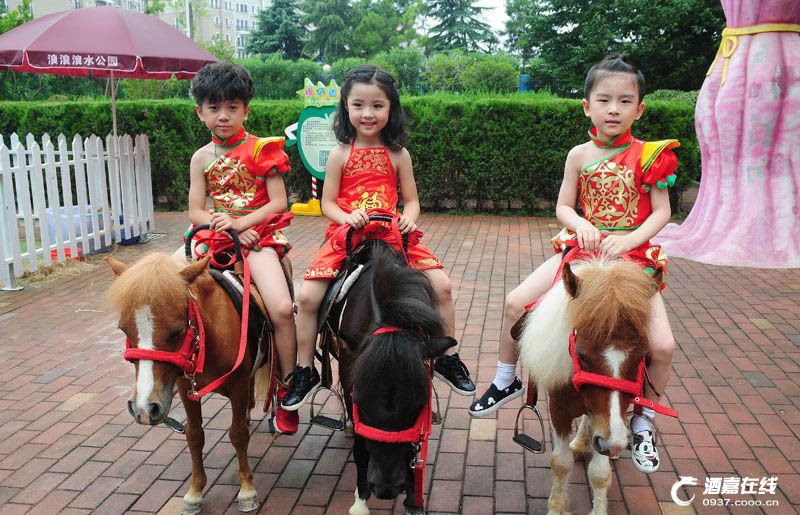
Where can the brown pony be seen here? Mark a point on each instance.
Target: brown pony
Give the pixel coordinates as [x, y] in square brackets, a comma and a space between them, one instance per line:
[607, 305]
[152, 297]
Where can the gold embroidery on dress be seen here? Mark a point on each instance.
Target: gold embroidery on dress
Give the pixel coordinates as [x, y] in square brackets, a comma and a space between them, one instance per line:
[371, 160]
[609, 195]
[230, 184]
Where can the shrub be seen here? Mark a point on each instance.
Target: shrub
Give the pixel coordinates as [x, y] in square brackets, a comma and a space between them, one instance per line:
[486, 149]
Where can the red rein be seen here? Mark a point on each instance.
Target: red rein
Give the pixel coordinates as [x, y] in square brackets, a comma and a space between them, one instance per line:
[635, 388]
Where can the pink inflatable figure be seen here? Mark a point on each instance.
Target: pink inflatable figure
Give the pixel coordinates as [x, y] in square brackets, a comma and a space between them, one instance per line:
[747, 119]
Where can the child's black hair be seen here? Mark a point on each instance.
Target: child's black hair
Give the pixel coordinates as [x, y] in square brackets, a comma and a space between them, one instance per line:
[220, 81]
[394, 135]
[613, 63]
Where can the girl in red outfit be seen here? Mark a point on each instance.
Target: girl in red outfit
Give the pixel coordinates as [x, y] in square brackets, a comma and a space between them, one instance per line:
[620, 183]
[362, 175]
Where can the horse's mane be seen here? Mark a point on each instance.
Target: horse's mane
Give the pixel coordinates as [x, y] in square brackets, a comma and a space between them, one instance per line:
[390, 365]
[154, 280]
[613, 299]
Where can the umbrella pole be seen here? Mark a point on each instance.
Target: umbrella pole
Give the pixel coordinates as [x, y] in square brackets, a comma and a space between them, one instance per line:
[113, 104]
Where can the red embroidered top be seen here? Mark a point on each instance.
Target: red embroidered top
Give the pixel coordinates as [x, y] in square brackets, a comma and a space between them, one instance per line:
[613, 191]
[236, 180]
[368, 182]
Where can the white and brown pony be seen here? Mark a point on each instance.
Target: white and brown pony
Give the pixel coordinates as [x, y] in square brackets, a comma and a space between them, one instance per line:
[166, 307]
[602, 309]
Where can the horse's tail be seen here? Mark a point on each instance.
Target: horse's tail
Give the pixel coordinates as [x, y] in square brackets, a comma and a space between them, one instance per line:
[402, 296]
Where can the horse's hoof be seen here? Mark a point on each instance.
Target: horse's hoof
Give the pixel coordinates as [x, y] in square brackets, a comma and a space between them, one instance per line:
[248, 504]
[415, 511]
[191, 508]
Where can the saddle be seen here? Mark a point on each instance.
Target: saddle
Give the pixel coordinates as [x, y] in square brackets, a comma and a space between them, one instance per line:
[335, 298]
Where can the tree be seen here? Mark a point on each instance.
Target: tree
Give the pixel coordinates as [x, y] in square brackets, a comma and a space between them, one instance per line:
[385, 24]
[330, 37]
[278, 30]
[219, 48]
[11, 19]
[459, 27]
[672, 41]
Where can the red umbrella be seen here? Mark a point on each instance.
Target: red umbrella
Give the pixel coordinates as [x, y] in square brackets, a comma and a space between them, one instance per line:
[106, 41]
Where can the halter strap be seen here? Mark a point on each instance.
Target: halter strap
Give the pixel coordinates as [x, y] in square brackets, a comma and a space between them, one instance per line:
[634, 388]
[191, 356]
[386, 329]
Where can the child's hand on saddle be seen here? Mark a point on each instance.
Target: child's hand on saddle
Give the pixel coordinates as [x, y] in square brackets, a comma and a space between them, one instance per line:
[221, 222]
[248, 238]
[615, 245]
[357, 219]
[406, 225]
[588, 236]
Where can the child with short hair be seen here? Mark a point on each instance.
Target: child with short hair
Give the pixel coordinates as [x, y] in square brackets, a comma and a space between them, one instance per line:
[243, 175]
[620, 184]
[362, 174]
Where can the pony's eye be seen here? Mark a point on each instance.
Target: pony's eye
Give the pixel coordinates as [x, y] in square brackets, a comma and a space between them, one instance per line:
[176, 332]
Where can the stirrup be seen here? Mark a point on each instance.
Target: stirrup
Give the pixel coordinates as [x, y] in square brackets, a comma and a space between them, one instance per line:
[324, 420]
[526, 441]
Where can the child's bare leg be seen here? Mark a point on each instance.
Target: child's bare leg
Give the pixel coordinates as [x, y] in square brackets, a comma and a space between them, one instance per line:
[505, 385]
[306, 379]
[266, 271]
[443, 289]
[662, 347]
[449, 368]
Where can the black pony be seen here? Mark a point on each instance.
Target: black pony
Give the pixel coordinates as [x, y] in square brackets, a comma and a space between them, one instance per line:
[390, 332]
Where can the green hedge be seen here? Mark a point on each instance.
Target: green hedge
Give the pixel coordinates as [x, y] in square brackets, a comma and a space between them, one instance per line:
[486, 152]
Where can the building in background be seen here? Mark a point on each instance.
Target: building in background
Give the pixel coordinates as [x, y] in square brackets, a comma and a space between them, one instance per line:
[233, 20]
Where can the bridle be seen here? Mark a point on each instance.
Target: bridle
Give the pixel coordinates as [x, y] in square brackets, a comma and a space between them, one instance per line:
[191, 355]
[417, 435]
[635, 388]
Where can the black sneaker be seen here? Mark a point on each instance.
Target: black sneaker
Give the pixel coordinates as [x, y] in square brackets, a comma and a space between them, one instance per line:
[494, 398]
[304, 383]
[452, 371]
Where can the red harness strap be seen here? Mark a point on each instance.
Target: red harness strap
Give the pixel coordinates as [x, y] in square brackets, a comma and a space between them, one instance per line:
[635, 388]
[190, 358]
[418, 434]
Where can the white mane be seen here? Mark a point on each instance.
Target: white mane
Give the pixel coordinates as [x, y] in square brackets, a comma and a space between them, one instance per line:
[544, 343]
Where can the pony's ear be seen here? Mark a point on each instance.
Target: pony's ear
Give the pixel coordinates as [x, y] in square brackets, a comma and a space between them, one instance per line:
[191, 271]
[438, 346]
[571, 281]
[116, 265]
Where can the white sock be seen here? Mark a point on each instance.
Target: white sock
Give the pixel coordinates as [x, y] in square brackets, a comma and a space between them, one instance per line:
[505, 375]
[639, 423]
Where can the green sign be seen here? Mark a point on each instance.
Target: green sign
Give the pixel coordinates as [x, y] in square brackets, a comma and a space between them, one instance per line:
[315, 139]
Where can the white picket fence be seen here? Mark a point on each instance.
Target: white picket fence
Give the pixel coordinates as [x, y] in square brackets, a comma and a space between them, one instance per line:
[56, 200]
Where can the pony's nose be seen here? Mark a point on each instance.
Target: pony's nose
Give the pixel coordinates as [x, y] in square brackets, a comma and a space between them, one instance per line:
[386, 491]
[155, 413]
[152, 414]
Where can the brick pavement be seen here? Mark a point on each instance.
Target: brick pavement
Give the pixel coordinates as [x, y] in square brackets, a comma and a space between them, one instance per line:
[68, 445]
